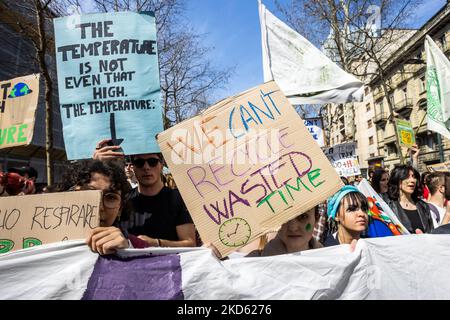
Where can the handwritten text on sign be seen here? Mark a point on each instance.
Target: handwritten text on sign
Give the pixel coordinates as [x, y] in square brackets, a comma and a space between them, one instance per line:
[45, 218]
[344, 160]
[18, 103]
[315, 128]
[108, 78]
[246, 165]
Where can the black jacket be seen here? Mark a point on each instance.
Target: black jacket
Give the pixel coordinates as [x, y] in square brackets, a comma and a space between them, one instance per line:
[422, 209]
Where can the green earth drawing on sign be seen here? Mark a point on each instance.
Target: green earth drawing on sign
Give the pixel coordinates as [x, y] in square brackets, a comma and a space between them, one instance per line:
[19, 90]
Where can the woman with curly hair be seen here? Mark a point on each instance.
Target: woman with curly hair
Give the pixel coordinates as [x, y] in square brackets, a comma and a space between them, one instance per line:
[404, 199]
[109, 177]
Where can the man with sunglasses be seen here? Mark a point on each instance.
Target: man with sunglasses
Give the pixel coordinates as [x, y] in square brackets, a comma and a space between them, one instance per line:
[158, 215]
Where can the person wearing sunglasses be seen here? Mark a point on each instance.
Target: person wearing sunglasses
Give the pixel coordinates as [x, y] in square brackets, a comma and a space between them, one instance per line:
[108, 177]
[159, 215]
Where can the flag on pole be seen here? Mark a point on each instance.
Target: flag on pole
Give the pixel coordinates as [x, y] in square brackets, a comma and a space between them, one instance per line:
[303, 72]
[438, 89]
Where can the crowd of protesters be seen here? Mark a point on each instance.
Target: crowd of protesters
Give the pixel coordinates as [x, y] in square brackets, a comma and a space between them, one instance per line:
[142, 207]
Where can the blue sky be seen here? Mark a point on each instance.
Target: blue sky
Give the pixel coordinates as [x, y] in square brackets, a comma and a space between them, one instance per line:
[232, 28]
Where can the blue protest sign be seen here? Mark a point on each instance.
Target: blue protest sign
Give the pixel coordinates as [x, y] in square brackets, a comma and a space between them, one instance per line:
[108, 81]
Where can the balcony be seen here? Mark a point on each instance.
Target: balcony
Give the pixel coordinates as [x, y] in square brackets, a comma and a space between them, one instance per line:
[380, 118]
[399, 78]
[378, 94]
[403, 106]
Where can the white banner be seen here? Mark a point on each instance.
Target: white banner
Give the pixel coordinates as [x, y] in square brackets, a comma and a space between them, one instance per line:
[303, 72]
[389, 268]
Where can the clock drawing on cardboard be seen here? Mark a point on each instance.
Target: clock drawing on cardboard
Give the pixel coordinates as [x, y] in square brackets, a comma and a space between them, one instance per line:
[235, 232]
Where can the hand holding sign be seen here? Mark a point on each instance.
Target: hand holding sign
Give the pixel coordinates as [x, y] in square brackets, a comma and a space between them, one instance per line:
[106, 240]
[105, 150]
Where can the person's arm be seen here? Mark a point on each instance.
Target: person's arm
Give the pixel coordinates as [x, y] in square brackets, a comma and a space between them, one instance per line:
[185, 232]
[446, 218]
[106, 240]
[414, 151]
[103, 151]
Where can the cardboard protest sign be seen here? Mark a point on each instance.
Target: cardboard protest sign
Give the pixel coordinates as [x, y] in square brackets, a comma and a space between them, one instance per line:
[343, 158]
[439, 167]
[18, 104]
[108, 80]
[245, 166]
[31, 220]
[405, 133]
[315, 127]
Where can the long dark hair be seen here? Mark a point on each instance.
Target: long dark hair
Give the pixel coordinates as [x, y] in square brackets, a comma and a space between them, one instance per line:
[399, 174]
[376, 178]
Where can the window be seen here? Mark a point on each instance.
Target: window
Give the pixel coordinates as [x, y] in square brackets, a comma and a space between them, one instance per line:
[369, 124]
[391, 99]
[368, 107]
[423, 84]
[443, 42]
[372, 155]
[381, 107]
[371, 140]
[404, 93]
[366, 91]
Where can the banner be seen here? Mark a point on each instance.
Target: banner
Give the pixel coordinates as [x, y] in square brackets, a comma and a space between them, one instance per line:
[245, 166]
[379, 210]
[18, 104]
[108, 80]
[31, 220]
[344, 159]
[389, 268]
[303, 72]
[438, 89]
[315, 127]
[405, 133]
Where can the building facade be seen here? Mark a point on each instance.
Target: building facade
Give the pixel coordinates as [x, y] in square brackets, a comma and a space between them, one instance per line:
[17, 58]
[405, 73]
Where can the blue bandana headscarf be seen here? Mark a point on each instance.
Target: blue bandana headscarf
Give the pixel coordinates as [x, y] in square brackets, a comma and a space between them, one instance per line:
[334, 201]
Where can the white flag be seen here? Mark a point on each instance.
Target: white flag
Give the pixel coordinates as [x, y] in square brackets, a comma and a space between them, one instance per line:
[303, 72]
[438, 89]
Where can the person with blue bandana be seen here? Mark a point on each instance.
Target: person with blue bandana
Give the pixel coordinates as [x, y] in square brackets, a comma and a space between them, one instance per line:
[347, 216]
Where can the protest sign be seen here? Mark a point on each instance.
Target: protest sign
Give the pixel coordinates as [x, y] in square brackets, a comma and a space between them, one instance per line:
[405, 133]
[30, 220]
[108, 80]
[18, 104]
[245, 166]
[315, 128]
[439, 167]
[343, 158]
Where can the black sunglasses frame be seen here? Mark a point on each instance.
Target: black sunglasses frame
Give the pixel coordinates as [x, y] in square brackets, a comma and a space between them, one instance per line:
[140, 163]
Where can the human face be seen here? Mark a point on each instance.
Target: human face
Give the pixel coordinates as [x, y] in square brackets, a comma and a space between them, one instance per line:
[111, 204]
[384, 182]
[146, 175]
[296, 233]
[352, 217]
[408, 185]
[129, 172]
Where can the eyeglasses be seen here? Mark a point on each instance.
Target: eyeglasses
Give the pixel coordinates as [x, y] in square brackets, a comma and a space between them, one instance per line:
[111, 200]
[152, 162]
